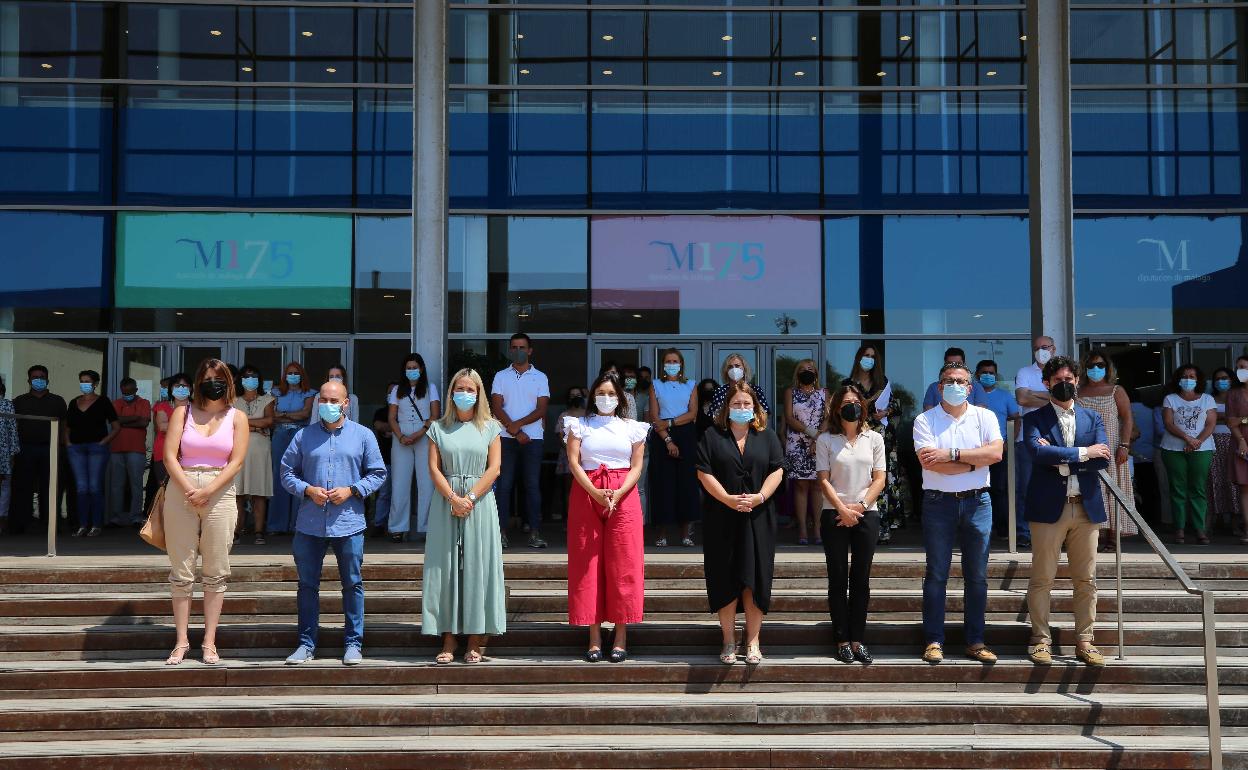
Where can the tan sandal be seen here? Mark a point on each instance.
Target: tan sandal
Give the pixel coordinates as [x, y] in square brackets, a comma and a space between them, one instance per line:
[210, 656]
[473, 656]
[728, 655]
[178, 655]
[754, 656]
[444, 657]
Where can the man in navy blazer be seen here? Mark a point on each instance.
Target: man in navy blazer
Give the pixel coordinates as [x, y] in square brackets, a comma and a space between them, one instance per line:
[1068, 446]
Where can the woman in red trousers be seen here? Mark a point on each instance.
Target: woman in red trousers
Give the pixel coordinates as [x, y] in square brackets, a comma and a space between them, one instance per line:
[606, 554]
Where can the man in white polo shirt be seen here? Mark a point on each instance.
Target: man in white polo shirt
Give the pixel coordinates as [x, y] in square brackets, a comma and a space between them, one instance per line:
[956, 442]
[519, 397]
[1031, 394]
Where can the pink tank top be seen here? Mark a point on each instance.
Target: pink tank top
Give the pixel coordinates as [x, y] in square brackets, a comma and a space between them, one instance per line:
[212, 451]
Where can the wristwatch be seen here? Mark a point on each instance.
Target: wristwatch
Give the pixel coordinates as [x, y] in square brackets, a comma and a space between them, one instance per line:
[471, 496]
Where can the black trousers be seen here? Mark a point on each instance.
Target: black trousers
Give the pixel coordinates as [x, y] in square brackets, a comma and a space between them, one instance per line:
[30, 479]
[998, 490]
[849, 584]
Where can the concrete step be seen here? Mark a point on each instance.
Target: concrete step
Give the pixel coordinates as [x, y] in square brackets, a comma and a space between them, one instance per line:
[588, 748]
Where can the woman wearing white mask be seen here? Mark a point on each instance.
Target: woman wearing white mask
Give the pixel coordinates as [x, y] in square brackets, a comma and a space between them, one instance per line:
[1190, 415]
[673, 492]
[1237, 422]
[606, 550]
[736, 369]
[255, 482]
[883, 412]
[414, 406]
[338, 373]
[1099, 391]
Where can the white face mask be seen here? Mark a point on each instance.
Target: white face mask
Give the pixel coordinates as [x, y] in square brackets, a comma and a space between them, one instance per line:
[1242, 374]
[1042, 356]
[606, 404]
[735, 373]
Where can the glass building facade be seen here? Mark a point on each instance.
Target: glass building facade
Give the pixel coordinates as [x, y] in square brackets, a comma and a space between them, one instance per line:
[781, 178]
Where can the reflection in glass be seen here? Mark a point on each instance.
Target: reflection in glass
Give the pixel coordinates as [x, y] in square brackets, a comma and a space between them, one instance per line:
[705, 274]
[56, 144]
[75, 294]
[908, 275]
[1156, 46]
[64, 358]
[56, 40]
[383, 144]
[383, 274]
[1148, 275]
[1142, 148]
[509, 274]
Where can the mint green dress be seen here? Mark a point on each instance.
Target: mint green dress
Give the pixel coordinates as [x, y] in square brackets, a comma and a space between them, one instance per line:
[463, 590]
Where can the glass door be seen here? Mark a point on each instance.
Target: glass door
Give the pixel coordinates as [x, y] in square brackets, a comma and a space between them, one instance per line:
[317, 357]
[145, 363]
[752, 355]
[781, 372]
[1143, 367]
[188, 356]
[269, 357]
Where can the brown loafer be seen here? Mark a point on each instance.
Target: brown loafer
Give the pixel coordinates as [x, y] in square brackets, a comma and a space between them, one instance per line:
[1091, 656]
[1040, 654]
[933, 653]
[981, 654]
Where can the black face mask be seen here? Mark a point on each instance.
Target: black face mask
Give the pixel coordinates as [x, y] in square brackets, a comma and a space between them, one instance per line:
[1062, 391]
[213, 390]
[806, 377]
[577, 402]
[851, 412]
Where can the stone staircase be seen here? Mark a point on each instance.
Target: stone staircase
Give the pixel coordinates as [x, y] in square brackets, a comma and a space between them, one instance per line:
[82, 685]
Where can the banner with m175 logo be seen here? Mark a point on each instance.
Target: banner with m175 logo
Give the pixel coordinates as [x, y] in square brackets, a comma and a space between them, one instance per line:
[233, 260]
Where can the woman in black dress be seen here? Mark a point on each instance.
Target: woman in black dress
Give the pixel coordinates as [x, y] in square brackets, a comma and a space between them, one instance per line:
[740, 464]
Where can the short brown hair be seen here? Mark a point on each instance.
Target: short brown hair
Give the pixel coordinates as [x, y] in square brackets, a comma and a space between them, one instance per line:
[832, 412]
[213, 365]
[741, 386]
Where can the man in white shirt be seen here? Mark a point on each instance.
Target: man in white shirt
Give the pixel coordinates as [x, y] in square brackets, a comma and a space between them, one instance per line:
[956, 442]
[1031, 394]
[518, 397]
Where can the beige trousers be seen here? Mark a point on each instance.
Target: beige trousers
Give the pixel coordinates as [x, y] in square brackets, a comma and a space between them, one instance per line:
[192, 533]
[1080, 536]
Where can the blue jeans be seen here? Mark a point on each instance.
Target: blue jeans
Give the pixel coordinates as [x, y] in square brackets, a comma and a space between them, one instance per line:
[89, 462]
[309, 559]
[528, 458]
[1022, 459]
[966, 523]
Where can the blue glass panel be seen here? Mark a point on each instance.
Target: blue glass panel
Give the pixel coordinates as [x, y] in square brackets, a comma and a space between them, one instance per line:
[57, 39]
[1156, 46]
[237, 146]
[383, 274]
[383, 149]
[56, 144]
[73, 296]
[1161, 274]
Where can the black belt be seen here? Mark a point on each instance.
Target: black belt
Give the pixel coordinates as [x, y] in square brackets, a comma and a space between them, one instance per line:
[960, 495]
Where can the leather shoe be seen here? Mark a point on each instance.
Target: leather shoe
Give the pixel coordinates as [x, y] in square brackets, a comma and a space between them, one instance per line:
[1091, 656]
[619, 655]
[593, 656]
[844, 653]
[1040, 654]
[863, 655]
[981, 654]
[933, 653]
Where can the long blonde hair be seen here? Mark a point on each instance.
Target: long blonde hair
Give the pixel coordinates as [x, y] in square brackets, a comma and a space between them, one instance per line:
[481, 415]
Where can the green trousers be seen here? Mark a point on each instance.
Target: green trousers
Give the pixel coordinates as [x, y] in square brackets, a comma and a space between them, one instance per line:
[1189, 475]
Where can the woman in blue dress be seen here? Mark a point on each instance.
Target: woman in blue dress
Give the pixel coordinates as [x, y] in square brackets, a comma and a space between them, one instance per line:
[291, 412]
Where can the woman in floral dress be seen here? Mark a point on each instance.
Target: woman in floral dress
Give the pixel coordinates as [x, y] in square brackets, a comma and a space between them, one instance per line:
[803, 415]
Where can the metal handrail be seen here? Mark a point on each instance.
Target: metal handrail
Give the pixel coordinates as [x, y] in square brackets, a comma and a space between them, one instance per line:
[54, 446]
[1207, 611]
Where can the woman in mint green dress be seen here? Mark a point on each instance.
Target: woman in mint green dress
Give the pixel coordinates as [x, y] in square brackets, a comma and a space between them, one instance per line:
[463, 589]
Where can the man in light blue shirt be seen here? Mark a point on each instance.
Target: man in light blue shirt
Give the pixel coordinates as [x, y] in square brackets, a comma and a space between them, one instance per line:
[931, 398]
[1002, 404]
[331, 466]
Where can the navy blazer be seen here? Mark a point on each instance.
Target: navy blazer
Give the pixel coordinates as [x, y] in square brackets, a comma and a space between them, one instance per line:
[1046, 492]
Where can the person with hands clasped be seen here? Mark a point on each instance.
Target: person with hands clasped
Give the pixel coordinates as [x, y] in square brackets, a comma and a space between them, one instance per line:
[606, 549]
[740, 464]
[852, 468]
[331, 466]
[804, 405]
[956, 442]
[204, 450]
[1190, 416]
[1068, 445]
[673, 492]
[462, 587]
[413, 405]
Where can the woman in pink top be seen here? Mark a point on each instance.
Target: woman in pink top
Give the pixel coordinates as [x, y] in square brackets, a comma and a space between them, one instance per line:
[204, 451]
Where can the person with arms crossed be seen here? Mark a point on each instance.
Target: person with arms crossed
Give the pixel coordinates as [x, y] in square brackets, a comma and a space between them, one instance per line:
[955, 443]
[519, 396]
[1068, 445]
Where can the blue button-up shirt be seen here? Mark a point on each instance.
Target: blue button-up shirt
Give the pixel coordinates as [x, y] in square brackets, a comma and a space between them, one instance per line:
[346, 456]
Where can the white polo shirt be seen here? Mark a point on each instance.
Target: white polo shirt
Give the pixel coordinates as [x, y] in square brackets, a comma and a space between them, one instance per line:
[976, 427]
[1030, 377]
[520, 392]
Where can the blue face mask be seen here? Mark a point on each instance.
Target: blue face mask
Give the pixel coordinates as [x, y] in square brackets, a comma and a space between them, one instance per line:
[293, 379]
[1222, 385]
[181, 392]
[741, 416]
[954, 395]
[164, 394]
[520, 356]
[251, 383]
[988, 380]
[671, 370]
[128, 397]
[1187, 384]
[411, 374]
[86, 387]
[330, 412]
[1096, 373]
[39, 383]
[464, 400]
[867, 364]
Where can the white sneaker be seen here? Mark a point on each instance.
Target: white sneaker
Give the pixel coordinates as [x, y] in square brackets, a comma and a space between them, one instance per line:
[94, 532]
[79, 532]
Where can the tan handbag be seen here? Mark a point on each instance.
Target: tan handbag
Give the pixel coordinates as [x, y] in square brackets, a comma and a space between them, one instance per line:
[153, 530]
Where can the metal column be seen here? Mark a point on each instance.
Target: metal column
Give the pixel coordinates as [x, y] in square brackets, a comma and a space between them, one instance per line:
[429, 186]
[1048, 158]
